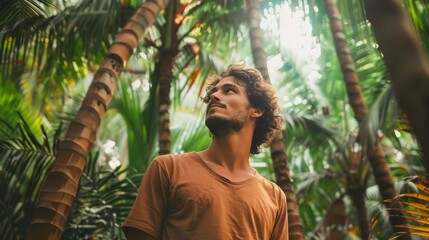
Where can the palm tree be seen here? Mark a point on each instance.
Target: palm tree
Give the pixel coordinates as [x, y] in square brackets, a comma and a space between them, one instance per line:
[345, 173]
[379, 165]
[278, 155]
[60, 187]
[407, 64]
[371, 70]
[408, 67]
[25, 158]
[164, 70]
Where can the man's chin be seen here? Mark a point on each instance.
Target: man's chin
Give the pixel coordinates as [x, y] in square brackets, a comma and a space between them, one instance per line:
[220, 125]
[216, 124]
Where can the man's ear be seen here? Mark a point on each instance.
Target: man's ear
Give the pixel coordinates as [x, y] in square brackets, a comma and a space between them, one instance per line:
[255, 112]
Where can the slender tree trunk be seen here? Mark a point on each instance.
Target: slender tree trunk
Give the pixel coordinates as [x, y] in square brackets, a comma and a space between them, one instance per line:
[165, 78]
[381, 170]
[407, 64]
[357, 195]
[59, 189]
[351, 80]
[284, 181]
[278, 154]
[167, 56]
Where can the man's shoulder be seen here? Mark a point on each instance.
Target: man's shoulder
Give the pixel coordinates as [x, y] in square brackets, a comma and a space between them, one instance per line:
[174, 156]
[174, 165]
[272, 187]
[169, 159]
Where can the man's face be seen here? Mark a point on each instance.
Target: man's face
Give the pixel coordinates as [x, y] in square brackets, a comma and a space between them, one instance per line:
[228, 108]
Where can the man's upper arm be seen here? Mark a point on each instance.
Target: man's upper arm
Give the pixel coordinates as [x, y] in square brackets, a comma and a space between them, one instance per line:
[148, 210]
[280, 230]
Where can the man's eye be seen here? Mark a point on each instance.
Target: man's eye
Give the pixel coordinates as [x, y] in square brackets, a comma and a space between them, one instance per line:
[230, 90]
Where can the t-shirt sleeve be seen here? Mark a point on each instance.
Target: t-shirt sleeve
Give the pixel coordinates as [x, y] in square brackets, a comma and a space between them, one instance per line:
[148, 211]
[280, 230]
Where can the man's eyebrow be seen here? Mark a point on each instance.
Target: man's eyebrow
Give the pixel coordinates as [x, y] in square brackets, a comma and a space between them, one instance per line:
[226, 85]
[229, 85]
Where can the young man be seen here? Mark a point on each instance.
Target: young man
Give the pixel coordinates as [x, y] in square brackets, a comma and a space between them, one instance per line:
[216, 194]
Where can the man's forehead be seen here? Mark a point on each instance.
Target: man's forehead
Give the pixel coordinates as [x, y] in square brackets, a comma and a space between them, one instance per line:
[229, 81]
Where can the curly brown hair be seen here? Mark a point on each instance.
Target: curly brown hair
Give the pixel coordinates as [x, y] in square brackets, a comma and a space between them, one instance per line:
[261, 95]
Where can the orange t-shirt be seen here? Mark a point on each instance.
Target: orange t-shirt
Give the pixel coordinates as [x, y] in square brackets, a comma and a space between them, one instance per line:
[180, 197]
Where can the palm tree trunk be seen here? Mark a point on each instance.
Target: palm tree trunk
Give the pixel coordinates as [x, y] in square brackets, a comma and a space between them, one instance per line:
[165, 78]
[59, 189]
[381, 171]
[167, 56]
[278, 154]
[407, 64]
[284, 181]
[351, 80]
[358, 198]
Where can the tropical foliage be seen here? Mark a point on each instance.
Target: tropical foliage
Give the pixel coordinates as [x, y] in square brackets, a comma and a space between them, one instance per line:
[50, 50]
[24, 158]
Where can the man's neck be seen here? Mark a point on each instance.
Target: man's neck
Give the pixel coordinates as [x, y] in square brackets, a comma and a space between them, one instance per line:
[230, 151]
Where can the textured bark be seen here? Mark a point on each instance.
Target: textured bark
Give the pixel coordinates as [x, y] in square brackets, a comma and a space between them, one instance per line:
[381, 170]
[284, 181]
[167, 55]
[351, 80]
[60, 187]
[166, 75]
[407, 64]
[278, 154]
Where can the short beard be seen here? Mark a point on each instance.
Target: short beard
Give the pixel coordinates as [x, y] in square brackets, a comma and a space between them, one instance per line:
[222, 126]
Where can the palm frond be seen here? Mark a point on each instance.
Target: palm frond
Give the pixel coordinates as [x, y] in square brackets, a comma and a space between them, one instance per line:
[193, 68]
[50, 51]
[417, 211]
[103, 201]
[136, 108]
[21, 22]
[192, 135]
[218, 23]
[418, 11]
[414, 197]
[12, 101]
[317, 191]
[384, 106]
[308, 131]
[24, 161]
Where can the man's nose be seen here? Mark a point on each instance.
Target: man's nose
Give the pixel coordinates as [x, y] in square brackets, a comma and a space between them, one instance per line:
[214, 96]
